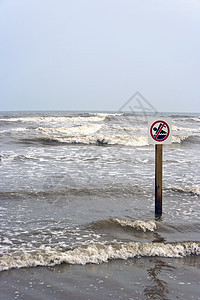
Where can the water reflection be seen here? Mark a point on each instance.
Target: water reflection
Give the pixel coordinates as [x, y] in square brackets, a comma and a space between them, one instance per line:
[158, 289]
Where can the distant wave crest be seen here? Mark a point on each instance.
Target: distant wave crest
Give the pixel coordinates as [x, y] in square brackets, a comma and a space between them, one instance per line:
[179, 139]
[96, 118]
[194, 190]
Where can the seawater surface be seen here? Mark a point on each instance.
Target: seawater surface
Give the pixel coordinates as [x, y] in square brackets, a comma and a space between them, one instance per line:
[78, 189]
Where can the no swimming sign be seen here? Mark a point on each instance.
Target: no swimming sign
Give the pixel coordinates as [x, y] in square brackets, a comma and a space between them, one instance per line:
[159, 130]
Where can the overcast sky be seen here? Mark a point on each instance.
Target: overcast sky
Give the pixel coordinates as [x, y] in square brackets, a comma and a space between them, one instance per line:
[95, 54]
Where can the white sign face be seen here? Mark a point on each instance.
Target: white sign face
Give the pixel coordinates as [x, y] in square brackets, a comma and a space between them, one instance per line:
[159, 130]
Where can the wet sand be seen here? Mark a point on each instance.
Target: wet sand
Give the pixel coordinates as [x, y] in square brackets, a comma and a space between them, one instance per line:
[139, 278]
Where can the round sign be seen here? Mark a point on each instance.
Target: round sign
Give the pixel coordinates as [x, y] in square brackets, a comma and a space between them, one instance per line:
[159, 131]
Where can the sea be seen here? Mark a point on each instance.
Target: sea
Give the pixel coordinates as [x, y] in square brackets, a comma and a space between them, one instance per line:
[77, 207]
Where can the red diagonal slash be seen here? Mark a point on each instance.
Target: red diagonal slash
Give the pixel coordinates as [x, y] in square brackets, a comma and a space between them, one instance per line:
[159, 130]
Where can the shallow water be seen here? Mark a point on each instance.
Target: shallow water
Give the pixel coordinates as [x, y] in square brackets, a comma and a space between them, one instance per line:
[78, 188]
[144, 278]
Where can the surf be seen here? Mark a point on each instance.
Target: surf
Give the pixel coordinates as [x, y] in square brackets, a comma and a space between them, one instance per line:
[96, 253]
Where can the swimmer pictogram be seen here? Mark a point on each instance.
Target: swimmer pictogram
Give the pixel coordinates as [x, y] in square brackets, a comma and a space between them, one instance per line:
[160, 131]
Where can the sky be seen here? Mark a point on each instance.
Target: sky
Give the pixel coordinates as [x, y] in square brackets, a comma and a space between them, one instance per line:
[93, 55]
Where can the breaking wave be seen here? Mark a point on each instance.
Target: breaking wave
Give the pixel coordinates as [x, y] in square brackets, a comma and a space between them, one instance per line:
[75, 119]
[179, 139]
[88, 129]
[103, 139]
[185, 129]
[195, 190]
[96, 253]
[99, 140]
[91, 128]
[138, 224]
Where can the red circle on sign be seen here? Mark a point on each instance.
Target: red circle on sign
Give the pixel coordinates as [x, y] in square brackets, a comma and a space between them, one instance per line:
[160, 133]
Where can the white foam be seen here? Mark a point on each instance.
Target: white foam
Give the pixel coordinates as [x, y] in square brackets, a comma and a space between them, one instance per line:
[196, 119]
[187, 129]
[89, 129]
[78, 119]
[193, 190]
[129, 130]
[6, 240]
[97, 253]
[106, 114]
[15, 130]
[179, 139]
[105, 139]
[88, 135]
[138, 224]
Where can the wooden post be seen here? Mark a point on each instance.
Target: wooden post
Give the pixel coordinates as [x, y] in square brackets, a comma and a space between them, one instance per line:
[158, 180]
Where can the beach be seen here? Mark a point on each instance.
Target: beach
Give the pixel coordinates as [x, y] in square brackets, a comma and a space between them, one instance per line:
[77, 207]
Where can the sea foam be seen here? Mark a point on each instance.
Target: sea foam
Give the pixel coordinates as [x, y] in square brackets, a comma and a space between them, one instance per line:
[96, 253]
[138, 224]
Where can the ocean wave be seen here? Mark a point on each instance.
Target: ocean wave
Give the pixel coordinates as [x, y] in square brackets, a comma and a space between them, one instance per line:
[116, 223]
[129, 130]
[76, 130]
[184, 129]
[138, 224]
[60, 190]
[194, 190]
[99, 140]
[96, 253]
[101, 114]
[14, 130]
[179, 139]
[122, 140]
[74, 119]
[88, 130]
[12, 156]
[196, 119]
[89, 136]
